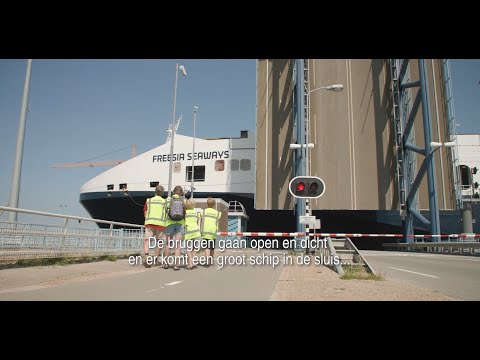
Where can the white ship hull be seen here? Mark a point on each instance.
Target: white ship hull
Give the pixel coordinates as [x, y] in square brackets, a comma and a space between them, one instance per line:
[224, 168]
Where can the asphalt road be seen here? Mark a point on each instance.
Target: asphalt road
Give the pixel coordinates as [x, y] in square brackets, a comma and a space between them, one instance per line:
[229, 283]
[453, 275]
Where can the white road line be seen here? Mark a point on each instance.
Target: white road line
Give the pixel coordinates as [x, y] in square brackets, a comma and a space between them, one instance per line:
[149, 291]
[174, 283]
[414, 272]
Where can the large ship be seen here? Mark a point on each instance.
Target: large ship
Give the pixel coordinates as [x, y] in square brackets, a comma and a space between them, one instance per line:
[222, 168]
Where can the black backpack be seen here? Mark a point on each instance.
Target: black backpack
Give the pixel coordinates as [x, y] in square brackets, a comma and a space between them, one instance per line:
[176, 209]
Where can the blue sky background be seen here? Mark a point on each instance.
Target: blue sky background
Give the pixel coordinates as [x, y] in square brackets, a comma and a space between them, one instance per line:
[81, 109]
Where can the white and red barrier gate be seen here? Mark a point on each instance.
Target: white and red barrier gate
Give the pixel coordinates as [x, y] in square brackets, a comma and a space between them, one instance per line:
[294, 234]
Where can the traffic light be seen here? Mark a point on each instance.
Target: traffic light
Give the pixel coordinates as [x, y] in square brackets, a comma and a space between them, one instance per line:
[306, 187]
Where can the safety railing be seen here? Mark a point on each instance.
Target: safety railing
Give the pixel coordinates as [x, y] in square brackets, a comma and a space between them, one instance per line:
[431, 242]
[27, 240]
[461, 247]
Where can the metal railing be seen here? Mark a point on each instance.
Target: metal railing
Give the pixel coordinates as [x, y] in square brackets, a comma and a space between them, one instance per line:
[358, 257]
[30, 241]
[453, 246]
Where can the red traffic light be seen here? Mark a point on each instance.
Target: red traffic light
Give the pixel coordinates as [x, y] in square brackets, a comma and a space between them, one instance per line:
[300, 186]
[306, 187]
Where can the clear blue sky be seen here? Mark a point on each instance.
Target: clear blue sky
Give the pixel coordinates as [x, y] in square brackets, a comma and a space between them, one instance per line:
[80, 109]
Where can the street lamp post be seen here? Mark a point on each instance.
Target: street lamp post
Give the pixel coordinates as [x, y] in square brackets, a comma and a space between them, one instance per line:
[428, 152]
[467, 223]
[184, 73]
[303, 135]
[335, 88]
[17, 168]
[308, 145]
[195, 108]
[302, 96]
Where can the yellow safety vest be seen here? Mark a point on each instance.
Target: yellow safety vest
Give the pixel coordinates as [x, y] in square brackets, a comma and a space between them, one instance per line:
[155, 214]
[209, 226]
[191, 223]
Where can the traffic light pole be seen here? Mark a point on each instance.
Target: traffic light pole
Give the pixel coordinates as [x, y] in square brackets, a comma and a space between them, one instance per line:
[467, 219]
[300, 139]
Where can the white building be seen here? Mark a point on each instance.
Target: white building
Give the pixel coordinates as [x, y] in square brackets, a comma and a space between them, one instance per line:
[469, 158]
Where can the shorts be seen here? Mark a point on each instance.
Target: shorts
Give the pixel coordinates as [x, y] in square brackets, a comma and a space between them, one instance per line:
[153, 232]
[210, 244]
[174, 229]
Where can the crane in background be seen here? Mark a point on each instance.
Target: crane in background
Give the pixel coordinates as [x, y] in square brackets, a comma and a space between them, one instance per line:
[89, 163]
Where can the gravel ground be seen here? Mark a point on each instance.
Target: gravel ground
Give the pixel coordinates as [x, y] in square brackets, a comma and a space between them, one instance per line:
[320, 283]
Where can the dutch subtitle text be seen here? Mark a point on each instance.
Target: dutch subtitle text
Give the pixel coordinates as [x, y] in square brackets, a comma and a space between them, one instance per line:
[239, 252]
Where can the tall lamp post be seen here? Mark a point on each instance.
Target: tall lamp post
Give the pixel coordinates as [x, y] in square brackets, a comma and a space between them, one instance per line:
[335, 88]
[17, 169]
[184, 73]
[195, 108]
[303, 134]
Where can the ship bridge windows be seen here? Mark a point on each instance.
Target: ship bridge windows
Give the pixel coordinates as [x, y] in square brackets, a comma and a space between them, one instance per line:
[199, 173]
[243, 164]
[234, 164]
[154, 184]
[110, 187]
[122, 186]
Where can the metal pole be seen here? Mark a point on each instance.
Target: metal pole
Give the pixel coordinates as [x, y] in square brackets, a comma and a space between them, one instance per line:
[195, 108]
[427, 135]
[173, 133]
[467, 219]
[300, 121]
[17, 169]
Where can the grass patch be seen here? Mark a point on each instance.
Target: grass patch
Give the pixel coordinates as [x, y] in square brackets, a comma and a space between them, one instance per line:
[360, 273]
[62, 261]
[108, 258]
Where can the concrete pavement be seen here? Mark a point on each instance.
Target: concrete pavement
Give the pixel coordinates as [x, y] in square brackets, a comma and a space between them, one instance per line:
[453, 275]
[120, 281]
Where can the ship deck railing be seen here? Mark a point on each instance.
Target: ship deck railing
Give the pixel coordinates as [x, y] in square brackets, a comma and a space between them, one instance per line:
[50, 235]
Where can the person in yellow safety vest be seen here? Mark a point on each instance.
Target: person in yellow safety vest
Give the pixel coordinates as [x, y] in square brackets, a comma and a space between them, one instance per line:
[192, 232]
[174, 230]
[209, 228]
[154, 212]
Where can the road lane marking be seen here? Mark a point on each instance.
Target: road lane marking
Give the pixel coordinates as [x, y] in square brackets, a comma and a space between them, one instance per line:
[149, 291]
[414, 272]
[174, 283]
